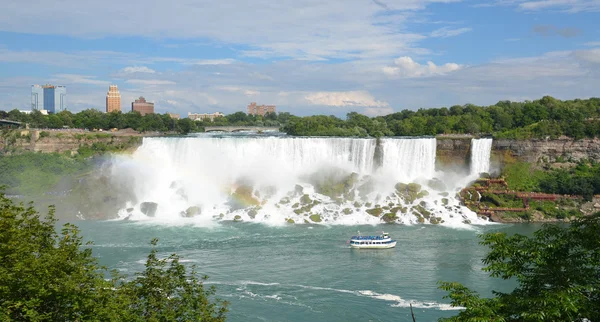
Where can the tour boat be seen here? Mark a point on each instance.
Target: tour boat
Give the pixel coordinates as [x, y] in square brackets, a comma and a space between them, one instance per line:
[372, 242]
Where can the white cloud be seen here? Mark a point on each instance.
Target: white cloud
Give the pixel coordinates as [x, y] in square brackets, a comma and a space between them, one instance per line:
[407, 67]
[301, 29]
[589, 56]
[593, 44]
[67, 79]
[149, 82]
[342, 99]
[446, 32]
[569, 6]
[137, 69]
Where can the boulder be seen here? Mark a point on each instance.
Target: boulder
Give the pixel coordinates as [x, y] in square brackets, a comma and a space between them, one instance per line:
[192, 211]
[315, 218]
[148, 208]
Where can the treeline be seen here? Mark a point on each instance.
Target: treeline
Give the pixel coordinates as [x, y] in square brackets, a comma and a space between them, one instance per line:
[547, 117]
[93, 119]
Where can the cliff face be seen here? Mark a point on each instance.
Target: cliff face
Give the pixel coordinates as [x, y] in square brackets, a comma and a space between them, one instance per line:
[549, 150]
[455, 152]
[65, 141]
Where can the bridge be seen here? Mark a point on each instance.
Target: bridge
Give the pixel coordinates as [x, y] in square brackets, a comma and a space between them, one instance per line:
[241, 128]
[10, 123]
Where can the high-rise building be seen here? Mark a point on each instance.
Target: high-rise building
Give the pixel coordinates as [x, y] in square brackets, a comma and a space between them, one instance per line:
[204, 117]
[37, 97]
[142, 106]
[48, 97]
[113, 99]
[261, 110]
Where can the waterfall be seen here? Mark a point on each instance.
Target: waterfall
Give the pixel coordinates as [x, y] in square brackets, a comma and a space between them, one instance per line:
[409, 159]
[278, 179]
[480, 155]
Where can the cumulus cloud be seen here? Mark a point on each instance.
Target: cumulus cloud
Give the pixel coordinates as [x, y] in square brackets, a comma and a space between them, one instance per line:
[343, 99]
[137, 69]
[407, 67]
[588, 56]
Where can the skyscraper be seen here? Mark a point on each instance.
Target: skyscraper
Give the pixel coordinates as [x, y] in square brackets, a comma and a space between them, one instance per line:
[37, 97]
[113, 99]
[48, 97]
[142, 106]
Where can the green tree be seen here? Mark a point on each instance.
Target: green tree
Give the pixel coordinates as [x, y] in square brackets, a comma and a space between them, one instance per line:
[556, 270]
[50, 276]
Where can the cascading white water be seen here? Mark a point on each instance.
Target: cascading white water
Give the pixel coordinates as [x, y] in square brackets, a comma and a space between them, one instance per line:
[480, 155]
[409, 159]
[279, 179]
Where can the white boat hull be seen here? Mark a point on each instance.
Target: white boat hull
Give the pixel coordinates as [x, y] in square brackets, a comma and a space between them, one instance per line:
[374, 246]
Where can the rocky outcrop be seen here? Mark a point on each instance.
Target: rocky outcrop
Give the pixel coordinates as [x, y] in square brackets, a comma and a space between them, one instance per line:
[453, 152]
[456, 152]
[564, 149]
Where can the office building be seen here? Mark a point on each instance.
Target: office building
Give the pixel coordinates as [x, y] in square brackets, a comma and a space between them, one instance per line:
[55, 98]
[261, 110]
[140, 105]
[204, 117]
[113, 99]
[37, 97]
[173, 116]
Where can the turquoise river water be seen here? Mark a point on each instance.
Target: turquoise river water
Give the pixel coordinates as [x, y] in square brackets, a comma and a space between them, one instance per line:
[308, 272]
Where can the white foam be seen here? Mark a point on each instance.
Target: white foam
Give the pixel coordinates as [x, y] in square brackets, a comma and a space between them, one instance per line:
[178, 173]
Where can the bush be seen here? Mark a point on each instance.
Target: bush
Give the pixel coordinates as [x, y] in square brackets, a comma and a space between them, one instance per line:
[50, 276]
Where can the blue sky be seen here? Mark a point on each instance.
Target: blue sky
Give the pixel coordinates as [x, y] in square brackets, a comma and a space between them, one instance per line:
[305, 56]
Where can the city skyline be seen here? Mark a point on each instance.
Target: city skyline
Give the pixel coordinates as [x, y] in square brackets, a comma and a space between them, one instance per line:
[372, 57]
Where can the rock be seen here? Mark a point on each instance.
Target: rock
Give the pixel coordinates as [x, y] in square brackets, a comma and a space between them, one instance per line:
[148, 208]
[237, 218]
[192, 211]
[305, 199]
[284, 200]
[298, 189]
[414, 187]
[376, 212]
[296, 205]
[315, 218]
[129, 210]
[389, 217]
[252, 213]
[347, 211]
[597, 205]
[290, 221]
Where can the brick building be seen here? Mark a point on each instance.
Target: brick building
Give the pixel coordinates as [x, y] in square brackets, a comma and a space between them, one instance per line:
[261, 110]
[142, 106]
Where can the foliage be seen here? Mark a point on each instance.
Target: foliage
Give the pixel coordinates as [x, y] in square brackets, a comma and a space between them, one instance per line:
[544, 118]
[50, 276]
[556, 270]
[33, 173]
[582, 180]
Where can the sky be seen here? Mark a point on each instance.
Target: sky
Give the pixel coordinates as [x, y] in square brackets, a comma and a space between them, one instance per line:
[305, 56]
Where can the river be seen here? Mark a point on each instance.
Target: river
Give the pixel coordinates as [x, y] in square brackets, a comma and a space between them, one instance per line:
[307, 272]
